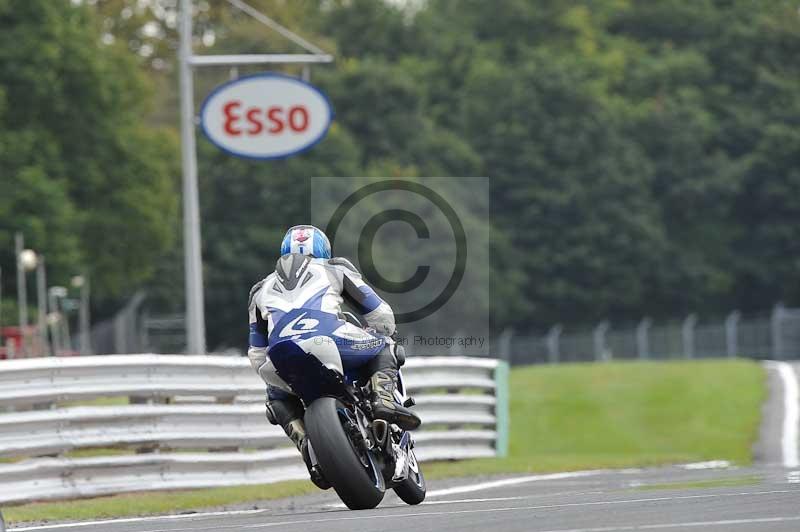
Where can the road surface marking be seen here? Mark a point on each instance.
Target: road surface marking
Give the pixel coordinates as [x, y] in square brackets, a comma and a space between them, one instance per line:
[197, 515]
[509, 482]
[688, 524]
[384, 515]
[711, 464]
[514, 481]
[790, 444]
[515, 498]
[401, 504]
[506, 482]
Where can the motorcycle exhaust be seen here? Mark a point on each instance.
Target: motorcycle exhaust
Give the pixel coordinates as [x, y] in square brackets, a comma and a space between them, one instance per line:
[380, 428]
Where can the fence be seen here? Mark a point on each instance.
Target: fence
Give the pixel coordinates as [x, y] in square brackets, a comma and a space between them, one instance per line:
[198, 421]
[774, 335]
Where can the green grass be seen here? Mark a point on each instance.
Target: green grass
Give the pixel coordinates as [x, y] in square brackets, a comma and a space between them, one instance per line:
[152, 503]
[100, 401]
[566, 417]
[624, 414]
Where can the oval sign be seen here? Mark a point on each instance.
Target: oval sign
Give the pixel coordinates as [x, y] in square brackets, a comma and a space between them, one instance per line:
[266, 116]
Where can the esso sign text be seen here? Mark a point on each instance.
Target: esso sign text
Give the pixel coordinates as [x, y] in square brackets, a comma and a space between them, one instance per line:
[266, 116]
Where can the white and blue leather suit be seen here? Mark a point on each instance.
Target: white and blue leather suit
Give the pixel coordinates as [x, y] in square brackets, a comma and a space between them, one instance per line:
[302, 301]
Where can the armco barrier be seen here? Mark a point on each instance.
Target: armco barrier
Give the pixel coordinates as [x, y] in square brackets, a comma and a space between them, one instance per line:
[198, 421]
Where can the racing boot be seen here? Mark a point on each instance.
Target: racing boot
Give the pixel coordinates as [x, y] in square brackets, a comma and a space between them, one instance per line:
[285, 413]
[384, 404]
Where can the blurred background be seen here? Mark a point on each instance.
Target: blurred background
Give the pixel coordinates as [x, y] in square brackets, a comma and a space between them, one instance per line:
[643, 156]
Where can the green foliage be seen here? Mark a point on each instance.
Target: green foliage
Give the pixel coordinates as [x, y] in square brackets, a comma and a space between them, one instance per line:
[82, 177]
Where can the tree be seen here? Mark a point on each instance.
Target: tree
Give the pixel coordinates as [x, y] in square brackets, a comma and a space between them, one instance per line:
[88, 183]
[575, 193]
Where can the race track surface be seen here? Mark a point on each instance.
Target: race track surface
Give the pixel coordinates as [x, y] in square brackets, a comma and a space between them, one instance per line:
[747, 499]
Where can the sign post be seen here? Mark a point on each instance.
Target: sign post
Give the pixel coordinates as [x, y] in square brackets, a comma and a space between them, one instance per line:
[192, 256]
[193, 263]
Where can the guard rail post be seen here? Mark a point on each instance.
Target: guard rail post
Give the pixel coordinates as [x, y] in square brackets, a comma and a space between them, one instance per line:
[776, 331]
[601, 352]
[643, 338]
[732, 334]
[504, 344]
[552, 340]
[501, 394]
[687, 335]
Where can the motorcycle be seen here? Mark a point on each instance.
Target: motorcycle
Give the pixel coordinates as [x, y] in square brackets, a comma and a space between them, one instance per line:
[361, 457]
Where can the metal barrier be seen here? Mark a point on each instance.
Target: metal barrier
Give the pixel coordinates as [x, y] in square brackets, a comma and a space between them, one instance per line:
[764, 335]
[198, 421]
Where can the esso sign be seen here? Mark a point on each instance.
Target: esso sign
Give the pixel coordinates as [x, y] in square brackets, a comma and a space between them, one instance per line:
[266, 116]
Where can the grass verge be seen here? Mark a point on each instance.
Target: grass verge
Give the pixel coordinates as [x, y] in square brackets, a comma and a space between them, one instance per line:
[565, 417]
[625, 414]
[152, 503]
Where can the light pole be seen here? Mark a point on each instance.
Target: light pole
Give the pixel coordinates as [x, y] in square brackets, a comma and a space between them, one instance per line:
[22, 294]
[26, 261]
[193, 262]
[82, 283]
[56, 316]
[41, 303]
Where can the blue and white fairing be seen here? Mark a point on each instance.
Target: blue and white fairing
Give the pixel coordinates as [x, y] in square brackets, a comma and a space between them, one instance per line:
[355, 346]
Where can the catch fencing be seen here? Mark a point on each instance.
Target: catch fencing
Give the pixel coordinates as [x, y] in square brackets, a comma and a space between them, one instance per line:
[767, 335]
[198, 421]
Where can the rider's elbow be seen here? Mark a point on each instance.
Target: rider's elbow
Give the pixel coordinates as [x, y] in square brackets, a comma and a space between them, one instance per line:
[382, 319]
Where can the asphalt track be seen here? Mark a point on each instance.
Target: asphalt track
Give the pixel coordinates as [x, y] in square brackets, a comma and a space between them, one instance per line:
[711, 496]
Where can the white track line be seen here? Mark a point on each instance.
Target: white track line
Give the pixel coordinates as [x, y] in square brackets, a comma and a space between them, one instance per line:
[216, 527]
[515, 498]
[514, 481]
[482, 486]
[689, 524]
[711, 464]
[790, 444]
[197, 515]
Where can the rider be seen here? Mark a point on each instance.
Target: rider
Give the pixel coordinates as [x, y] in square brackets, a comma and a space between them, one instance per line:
[306, 277]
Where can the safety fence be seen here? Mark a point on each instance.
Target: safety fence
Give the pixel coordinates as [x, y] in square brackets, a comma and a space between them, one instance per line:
[198, 421]
[774, 334]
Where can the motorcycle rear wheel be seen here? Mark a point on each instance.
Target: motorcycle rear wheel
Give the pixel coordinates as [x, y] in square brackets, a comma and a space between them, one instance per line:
[350, 470]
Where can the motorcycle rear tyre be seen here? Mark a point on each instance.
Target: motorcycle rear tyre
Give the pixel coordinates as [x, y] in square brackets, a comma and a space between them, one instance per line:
[337, 456]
